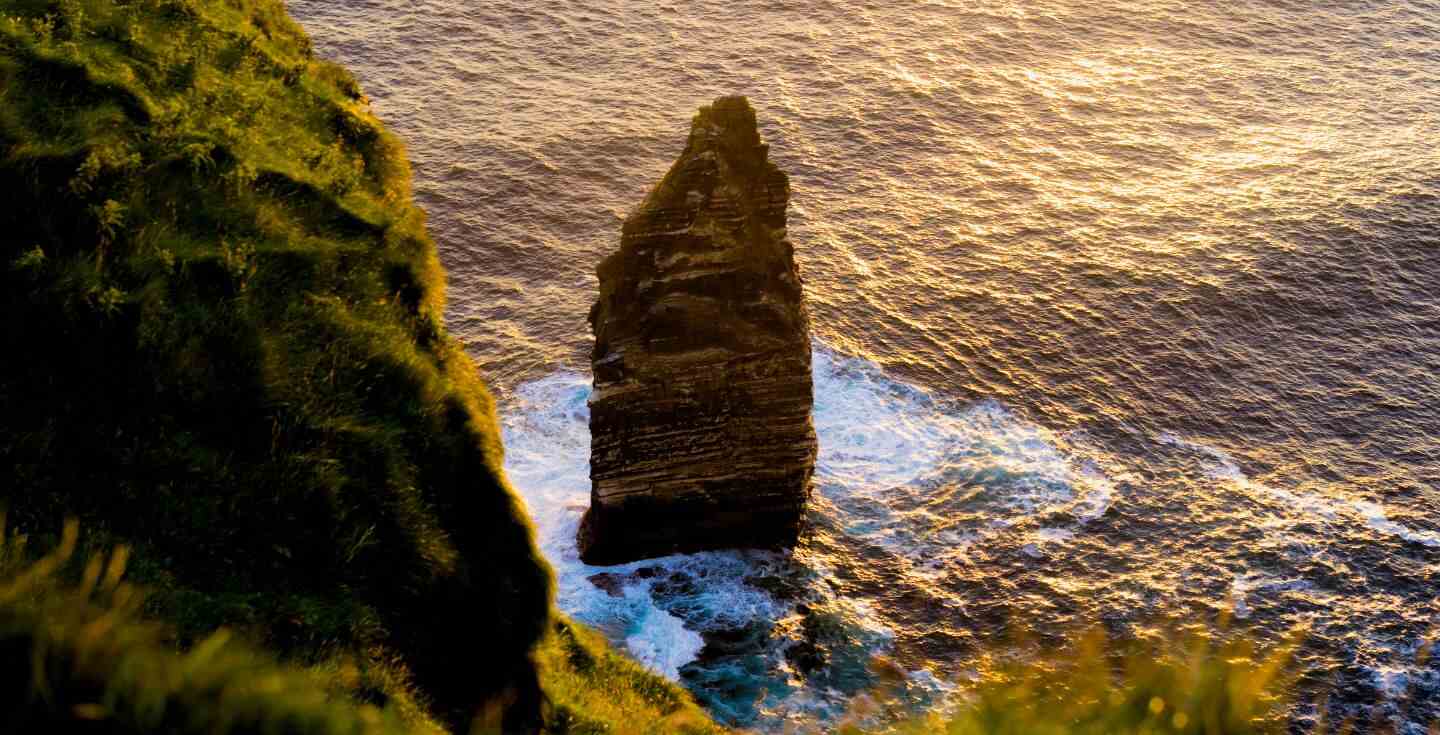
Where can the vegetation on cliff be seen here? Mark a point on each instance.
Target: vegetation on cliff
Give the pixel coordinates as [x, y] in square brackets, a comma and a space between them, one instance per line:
[224, 346]
[80, 657]
[591, 689]
[77, 658]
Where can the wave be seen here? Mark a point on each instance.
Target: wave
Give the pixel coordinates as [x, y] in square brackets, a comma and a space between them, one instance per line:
[1304, 506]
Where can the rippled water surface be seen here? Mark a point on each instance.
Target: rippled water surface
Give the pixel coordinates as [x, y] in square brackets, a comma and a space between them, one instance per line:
[1125, 312]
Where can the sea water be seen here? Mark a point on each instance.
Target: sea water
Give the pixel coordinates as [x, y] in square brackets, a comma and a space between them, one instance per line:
[1126, 314]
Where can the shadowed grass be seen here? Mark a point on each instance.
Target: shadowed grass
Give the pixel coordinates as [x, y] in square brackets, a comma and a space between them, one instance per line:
[224, 347]
[81, 657]
[78, 659]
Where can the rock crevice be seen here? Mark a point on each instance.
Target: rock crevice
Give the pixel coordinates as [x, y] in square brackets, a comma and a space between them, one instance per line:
[701, 433]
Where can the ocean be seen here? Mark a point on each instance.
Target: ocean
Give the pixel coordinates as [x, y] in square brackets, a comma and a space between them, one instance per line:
[1125, 314]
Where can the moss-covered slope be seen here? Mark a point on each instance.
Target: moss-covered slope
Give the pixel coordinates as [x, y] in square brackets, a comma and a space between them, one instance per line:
[222, 343]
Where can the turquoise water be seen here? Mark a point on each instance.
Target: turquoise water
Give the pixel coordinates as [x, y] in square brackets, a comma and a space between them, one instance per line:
[1125, 312]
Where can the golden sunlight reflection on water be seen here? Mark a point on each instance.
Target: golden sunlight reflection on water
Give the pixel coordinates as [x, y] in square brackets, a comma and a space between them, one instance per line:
[1188, 249]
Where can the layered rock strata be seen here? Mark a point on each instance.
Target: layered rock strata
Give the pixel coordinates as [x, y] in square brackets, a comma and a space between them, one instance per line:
[700, 428]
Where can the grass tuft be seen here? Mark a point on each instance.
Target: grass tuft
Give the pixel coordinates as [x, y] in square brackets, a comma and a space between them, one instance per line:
[590, 689]
[1195, 684]
[79, 658]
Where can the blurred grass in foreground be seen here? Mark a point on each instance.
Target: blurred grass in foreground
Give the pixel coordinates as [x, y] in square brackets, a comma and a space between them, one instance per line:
[76, 658]
[1202, 682]
[1201, 686]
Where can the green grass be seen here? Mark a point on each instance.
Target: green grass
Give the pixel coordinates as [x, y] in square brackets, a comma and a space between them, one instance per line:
[590, 690]
[224, 346]
[77, 658]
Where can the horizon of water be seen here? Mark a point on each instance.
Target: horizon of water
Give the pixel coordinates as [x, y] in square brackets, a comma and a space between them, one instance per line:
[1124, 313]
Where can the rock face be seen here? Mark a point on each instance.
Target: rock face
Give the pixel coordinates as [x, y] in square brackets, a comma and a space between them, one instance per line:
[700, 428]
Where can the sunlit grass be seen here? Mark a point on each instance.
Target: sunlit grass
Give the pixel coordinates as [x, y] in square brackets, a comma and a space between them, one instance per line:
[593, 689]
[1193, 683]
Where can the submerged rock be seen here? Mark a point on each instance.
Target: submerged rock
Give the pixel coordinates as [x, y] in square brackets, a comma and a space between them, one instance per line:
[701, 435]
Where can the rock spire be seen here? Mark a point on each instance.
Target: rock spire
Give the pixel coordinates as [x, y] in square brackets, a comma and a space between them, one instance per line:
[701, 434]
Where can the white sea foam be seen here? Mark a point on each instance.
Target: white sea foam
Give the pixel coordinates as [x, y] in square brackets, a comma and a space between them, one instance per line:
[891, 454]
[663, 643]
[1053, 535]
[1304, 506]
[1254, 582]
[1392, 682]
[1376, 517]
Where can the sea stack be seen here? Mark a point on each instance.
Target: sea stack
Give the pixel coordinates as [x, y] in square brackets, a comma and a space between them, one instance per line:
[700, 428]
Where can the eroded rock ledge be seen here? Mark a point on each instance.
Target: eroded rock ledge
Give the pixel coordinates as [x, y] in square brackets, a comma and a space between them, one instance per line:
[700, 426]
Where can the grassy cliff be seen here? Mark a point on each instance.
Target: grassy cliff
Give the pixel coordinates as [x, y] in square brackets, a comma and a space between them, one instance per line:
[223, 345]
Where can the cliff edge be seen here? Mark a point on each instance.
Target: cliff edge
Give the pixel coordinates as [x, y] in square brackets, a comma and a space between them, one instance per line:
[224, 347]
